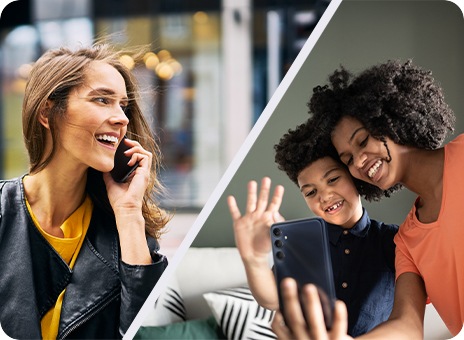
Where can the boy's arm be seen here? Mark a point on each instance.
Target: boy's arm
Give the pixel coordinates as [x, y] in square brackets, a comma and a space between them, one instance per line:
[253, 239]
[262, 284]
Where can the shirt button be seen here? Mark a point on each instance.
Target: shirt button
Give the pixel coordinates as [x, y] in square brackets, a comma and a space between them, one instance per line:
[347, 251]
[345, 232]
[344, 285]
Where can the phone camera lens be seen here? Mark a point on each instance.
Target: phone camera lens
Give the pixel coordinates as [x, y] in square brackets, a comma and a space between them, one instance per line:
[277, 232]
[278, 243]
[280, 255]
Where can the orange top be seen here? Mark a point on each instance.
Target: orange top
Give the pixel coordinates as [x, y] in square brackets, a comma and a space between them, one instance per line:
[435, 250]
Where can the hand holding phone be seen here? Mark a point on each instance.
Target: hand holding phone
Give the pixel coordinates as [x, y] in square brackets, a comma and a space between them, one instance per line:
[121, 171]
[301, 251]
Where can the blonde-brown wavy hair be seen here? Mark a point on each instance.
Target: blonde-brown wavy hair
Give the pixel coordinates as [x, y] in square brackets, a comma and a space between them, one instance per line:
[52, 78]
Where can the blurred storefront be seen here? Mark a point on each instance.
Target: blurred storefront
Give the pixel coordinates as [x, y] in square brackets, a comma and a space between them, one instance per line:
[211, 68]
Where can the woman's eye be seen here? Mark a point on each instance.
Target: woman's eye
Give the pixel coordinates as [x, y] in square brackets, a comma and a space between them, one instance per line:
[102, 100]
[349, 162]
[364, 141]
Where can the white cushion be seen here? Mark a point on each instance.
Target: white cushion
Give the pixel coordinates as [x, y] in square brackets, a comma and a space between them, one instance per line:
[205, 270]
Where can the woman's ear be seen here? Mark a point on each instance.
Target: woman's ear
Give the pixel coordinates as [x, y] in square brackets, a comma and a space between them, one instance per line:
[43, 115]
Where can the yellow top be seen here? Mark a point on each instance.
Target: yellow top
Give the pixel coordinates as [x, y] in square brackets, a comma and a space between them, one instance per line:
[74, 230]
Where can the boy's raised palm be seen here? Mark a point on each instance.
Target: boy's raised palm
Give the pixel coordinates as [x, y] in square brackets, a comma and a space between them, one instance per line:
[252, 229]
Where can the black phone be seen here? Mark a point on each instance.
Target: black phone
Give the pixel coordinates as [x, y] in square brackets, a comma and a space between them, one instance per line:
[300, 250]
[121, 171]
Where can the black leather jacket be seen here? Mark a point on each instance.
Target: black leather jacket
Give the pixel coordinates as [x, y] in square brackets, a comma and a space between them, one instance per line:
[103, 294]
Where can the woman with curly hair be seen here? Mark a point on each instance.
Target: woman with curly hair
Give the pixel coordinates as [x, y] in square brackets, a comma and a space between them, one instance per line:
[389, 134]
[362, 249]
[79, 250]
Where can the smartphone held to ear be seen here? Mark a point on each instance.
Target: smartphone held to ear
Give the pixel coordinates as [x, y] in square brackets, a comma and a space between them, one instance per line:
[301, 251]
[121, 170]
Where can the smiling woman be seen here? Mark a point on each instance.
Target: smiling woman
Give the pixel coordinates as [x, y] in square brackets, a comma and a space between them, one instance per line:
[79, 251]
[389, 133]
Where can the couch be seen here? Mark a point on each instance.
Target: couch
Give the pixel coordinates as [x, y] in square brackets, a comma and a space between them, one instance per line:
[208, 298]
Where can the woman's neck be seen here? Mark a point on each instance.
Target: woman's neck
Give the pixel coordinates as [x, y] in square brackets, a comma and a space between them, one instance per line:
[54, 194]
[423, 175]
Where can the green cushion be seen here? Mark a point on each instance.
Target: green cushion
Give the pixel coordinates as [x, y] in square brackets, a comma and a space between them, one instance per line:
[190, 329]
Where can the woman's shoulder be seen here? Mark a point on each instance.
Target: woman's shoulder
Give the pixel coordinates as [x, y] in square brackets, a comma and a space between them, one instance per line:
[458, 141]
[455, 148]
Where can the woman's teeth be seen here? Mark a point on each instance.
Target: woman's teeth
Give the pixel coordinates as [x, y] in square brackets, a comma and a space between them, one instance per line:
[373, 170]
[107, 139]
[335, 206]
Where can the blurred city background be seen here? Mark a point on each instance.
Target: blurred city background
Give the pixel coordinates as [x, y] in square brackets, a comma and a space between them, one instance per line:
[212, 68]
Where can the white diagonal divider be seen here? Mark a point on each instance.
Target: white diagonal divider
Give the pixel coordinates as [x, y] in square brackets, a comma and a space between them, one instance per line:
[235, 164]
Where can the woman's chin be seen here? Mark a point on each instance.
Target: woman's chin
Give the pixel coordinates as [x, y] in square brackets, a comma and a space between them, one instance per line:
[104, 167]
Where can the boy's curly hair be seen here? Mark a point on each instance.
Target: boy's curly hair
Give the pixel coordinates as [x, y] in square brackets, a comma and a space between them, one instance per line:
[298, 148]
[397, 100]
[305, 144]
[301, 147]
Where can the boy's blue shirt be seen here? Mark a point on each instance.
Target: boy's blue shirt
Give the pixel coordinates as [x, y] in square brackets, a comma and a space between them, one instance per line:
[363, 261]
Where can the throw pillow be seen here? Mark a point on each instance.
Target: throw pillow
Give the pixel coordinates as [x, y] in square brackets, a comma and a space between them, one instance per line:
[239, 315]
[168, 308]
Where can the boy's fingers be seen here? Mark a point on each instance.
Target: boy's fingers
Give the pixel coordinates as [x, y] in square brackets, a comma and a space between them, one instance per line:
[251, 197]
[278, 217]
[276, 198]
[233, 208]
[264, 194]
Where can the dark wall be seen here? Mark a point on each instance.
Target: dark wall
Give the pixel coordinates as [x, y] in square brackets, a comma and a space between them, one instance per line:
[360, 34]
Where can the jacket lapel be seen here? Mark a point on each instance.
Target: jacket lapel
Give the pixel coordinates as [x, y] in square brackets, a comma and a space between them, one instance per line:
[95, 281]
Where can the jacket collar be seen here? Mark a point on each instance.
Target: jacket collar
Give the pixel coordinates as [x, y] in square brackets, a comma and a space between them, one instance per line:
[25, 250]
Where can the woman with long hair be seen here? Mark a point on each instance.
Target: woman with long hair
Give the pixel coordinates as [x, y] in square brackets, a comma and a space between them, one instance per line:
[79, 250]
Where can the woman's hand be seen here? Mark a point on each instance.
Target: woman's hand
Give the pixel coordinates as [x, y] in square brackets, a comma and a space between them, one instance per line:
[128, 196]
[310, 324]
[252, 229]
[126, 200]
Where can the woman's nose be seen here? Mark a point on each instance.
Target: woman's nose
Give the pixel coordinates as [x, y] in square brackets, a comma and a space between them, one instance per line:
[359, 160]
[119, 117]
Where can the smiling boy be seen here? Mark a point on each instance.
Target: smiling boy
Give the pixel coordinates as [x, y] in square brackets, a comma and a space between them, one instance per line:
[362, 250]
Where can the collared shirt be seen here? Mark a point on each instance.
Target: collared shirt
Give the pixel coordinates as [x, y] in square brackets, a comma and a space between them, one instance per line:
[363, 261]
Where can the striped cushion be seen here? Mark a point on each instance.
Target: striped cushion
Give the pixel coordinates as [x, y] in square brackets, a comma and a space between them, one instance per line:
[239, 315]
[169, 307]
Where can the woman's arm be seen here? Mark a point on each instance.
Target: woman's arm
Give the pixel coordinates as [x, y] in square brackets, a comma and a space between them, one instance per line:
[137, 282]
[405, 322]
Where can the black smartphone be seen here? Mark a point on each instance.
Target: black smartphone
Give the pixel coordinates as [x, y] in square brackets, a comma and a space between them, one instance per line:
[121, 170]
[300, 250]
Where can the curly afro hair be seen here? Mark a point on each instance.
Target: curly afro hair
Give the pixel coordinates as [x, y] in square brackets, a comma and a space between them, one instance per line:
[402, 102]
[298, 148]
[397, 100]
